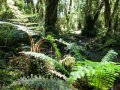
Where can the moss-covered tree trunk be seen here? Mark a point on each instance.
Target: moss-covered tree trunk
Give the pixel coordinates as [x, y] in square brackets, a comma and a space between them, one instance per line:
[51, 17]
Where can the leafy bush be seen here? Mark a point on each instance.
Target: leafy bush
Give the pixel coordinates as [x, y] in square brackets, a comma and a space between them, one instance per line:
[7, 76]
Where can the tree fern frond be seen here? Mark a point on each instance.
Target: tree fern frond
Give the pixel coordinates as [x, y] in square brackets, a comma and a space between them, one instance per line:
[80, 71]
[58, 74]
[41, 56]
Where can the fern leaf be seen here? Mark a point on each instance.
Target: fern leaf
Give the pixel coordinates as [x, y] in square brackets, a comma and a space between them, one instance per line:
[110, 56]
[41, 56]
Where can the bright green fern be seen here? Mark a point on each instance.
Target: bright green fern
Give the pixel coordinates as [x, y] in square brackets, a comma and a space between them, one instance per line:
[52, 40]
[99, 75]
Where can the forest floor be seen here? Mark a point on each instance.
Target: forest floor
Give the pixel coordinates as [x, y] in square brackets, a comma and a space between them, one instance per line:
[92, 47]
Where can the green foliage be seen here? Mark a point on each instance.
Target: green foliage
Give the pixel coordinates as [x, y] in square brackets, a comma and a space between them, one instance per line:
[6, 15]
[20, 4]
[110, 56]
[76, 51]
[81, 69]
[52, 40]
[5, 12]
[7, 75]
[100, 75]
[44, 57]
[13, 37]
[5, 78]
[38, 83]
[72, 15]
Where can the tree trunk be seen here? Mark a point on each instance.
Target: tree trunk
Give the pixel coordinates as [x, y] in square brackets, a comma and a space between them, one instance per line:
[107, 13]
[69, 10]
[51, 17]
[89, 29]
[109, 17]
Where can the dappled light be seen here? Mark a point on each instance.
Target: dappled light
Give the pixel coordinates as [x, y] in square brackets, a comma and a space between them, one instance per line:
[59, 44]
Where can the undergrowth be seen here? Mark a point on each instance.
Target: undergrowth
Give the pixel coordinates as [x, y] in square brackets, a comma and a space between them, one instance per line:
[38, 83]
[98, 75]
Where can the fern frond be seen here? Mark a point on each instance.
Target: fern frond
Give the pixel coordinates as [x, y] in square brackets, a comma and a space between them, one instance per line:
[52, 40]
[75, 49]
[41, 56]
[110, 56]
[100, 75]
[80, 71]
[58, 74]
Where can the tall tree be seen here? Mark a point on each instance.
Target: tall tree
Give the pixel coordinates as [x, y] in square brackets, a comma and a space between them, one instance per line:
[89, 28]
[69, 10]
[51, 16]
[109, 15]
